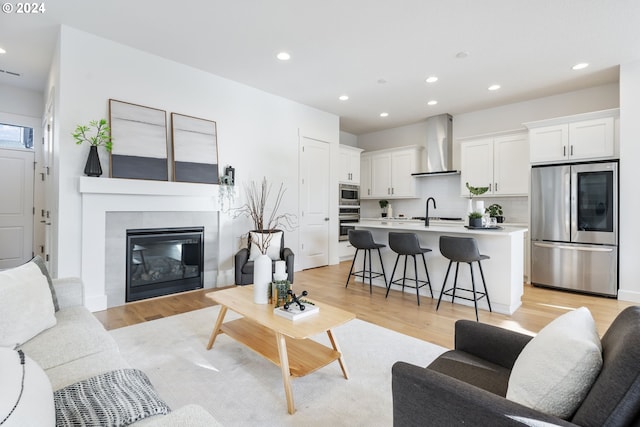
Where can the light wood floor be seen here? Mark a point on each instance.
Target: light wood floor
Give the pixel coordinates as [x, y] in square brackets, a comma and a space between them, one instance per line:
[397, 312]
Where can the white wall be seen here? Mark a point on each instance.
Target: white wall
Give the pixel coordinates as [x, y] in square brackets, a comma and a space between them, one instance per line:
[629, 178]
[257, 131]
[24, 102]
[349, 139]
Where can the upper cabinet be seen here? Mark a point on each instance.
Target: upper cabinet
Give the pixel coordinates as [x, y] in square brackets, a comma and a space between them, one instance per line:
[386, 174]
[499, 162]
[589, 136]
[349, 165]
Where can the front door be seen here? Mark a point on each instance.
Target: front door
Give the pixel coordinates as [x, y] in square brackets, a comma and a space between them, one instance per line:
[314, 197]
[16, 207]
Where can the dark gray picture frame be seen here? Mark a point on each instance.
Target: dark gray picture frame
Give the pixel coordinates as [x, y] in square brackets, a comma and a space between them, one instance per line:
[139, 141]
[195, 149]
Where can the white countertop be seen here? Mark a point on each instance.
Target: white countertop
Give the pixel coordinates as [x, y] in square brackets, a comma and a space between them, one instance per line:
[436, 226]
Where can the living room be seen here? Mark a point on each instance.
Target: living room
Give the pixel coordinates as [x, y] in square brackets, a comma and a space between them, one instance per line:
[259, 135]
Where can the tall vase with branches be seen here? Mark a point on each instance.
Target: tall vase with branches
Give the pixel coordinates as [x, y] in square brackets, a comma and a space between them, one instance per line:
[263, 210]
[264, 213]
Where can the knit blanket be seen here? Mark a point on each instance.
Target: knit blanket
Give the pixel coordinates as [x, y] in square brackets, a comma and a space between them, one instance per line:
[116, 398]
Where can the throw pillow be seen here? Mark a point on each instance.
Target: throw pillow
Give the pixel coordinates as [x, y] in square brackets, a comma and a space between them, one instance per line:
[26, 397]
[25, 303]
[43, 268]
[557, 368]
[273, 250]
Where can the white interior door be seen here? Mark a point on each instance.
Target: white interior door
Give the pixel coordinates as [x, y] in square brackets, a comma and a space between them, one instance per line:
[16, 207]
[314, 197]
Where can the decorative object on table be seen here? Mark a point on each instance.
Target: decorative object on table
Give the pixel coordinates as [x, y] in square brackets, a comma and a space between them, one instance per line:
[296, 308]
[280, 273]
[495, 211]
[474, 191]
[266, 240]
[475, 219]
[141, 136]
[383, 205]
[280, 292]
[195, 149]
[99, 137]
[229, 177]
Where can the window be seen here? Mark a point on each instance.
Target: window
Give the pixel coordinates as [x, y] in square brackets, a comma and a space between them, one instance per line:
[12, 136]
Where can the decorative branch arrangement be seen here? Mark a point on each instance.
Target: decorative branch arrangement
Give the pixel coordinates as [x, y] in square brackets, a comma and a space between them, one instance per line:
[265, 220]
[100, 136]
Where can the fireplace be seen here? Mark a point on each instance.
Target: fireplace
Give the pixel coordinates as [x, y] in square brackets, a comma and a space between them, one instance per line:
[162, 261]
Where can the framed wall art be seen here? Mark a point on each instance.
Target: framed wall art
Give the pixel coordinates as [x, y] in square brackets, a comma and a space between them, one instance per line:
[139, 141]
[195, 149]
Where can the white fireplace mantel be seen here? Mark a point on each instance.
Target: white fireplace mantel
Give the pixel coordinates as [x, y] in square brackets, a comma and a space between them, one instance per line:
[102, 195]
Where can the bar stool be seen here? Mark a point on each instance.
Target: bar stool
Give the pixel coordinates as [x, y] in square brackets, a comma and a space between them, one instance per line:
[406, 244]
[462, 249]
[363, 240]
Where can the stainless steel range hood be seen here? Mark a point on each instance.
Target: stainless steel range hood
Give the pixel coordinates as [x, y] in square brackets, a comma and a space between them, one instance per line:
[438, 146]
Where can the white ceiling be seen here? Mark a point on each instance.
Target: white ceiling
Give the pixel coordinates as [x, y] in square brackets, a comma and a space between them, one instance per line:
[347, 46]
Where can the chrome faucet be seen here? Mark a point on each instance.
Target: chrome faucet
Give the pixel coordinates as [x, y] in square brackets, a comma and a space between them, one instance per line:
[426, 215]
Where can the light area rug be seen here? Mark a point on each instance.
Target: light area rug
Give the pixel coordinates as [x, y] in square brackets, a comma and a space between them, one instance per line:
[240, 388]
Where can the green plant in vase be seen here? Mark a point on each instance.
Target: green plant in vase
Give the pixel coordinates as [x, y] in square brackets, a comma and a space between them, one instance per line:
[495, 211]
[97, 134]
[383, 205]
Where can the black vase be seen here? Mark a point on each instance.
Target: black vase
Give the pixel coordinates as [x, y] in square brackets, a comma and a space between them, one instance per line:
[93, 168]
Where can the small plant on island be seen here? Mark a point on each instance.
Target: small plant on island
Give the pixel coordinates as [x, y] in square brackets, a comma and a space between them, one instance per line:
[475, 215]
[494, 210]
[383, 205]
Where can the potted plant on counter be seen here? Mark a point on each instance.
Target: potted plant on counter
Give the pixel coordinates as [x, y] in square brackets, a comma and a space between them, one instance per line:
[383, 205]
[475, 219]
[96, 134]
[495, 211]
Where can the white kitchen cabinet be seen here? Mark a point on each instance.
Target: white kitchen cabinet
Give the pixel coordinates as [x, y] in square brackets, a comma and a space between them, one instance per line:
[349, 165]
[387, 173]
[587, 136]
[499, 162]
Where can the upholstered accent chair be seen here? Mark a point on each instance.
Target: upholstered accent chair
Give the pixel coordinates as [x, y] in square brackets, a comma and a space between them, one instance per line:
[276, 251]
[468, 385]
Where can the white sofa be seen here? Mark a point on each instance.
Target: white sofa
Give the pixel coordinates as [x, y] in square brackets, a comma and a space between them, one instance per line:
[78, 347]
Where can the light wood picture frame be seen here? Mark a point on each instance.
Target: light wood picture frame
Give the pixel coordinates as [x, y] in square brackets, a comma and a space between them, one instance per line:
[139, 136]
[195, 149]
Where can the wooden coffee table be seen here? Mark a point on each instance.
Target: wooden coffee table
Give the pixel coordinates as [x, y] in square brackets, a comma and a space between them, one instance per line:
[284, 342]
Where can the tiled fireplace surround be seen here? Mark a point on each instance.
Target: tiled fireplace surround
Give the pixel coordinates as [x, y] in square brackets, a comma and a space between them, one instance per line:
[111, 206]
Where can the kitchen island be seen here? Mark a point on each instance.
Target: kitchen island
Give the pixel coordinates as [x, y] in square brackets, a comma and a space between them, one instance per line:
[503, 271]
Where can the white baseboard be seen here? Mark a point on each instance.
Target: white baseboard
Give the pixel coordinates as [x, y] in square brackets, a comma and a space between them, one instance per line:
[630, 296]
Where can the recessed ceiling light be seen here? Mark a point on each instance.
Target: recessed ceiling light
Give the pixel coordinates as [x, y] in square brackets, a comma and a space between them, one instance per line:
[343, 97]
[384, 114]
[494, 87]
[2, 51]
[580, 66]
[463, 54]
[432, 79]
[432, 102]
[283, 56]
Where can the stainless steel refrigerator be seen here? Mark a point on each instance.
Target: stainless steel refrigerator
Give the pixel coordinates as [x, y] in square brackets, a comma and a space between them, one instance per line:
[574, 227]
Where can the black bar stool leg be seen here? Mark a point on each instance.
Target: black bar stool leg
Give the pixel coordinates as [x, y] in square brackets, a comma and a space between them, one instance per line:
[444, 285]
[384, 276]
[473, 288]
[484, 284]
[415, 268]
[392, 274]
[370, 274]
[351, 269]
[426, 270]
[455, 283]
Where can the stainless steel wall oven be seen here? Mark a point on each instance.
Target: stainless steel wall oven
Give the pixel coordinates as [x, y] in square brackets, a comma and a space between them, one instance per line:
[349, 195]
[348, 215]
